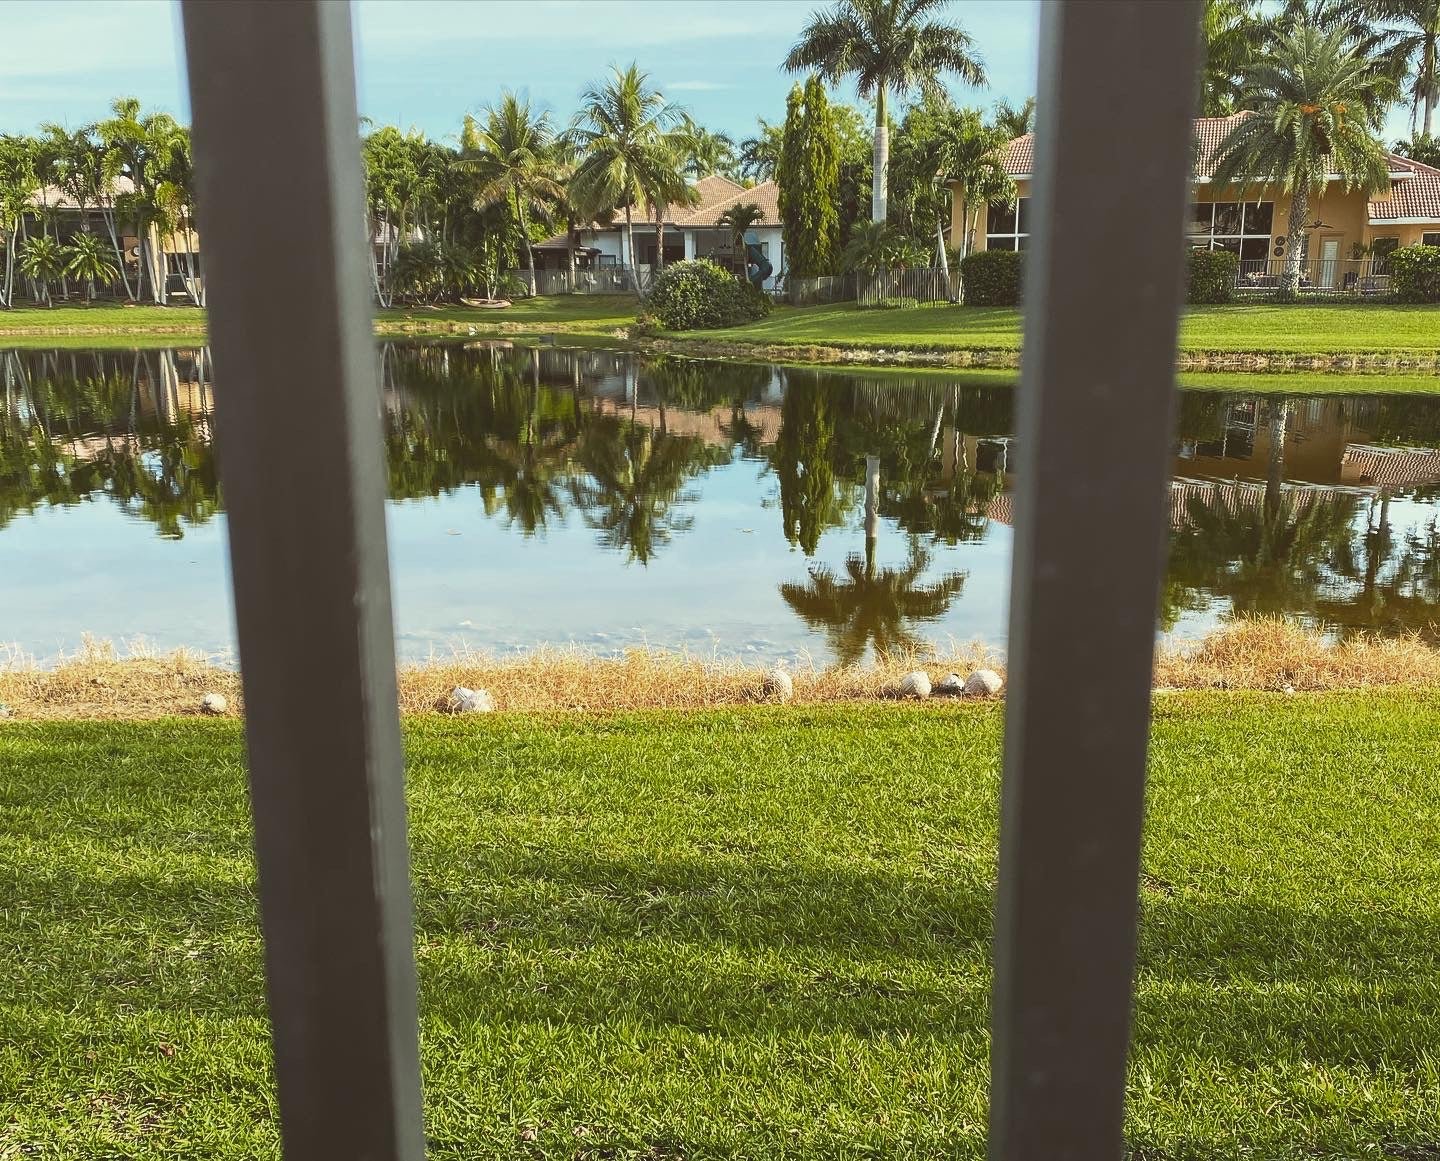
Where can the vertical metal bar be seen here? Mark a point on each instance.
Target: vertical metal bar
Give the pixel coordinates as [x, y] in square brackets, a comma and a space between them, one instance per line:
[276, 135]
[1103, 290]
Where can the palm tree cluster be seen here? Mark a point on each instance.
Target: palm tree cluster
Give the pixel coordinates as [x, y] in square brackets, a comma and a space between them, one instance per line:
[1319, 77]
[130, 175]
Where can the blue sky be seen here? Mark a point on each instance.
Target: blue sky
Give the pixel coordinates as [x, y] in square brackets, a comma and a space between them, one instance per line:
[425, 63]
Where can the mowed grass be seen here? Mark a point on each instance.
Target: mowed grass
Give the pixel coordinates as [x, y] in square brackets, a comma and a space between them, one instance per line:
[585, 314]
[747, 933]
[1321, 328]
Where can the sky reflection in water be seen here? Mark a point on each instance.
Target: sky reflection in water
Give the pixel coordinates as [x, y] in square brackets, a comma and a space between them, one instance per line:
[556, 496]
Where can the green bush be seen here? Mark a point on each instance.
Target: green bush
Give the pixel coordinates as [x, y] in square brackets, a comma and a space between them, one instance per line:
[699, 295]
[886, 303]
[1210, 276]
[992, 277]
[1415, 273]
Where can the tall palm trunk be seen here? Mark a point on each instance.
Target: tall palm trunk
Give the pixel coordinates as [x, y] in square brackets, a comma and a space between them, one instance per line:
[940, 250]
[1295, 253]
[525, 233]
[1275, 468]
[630, 245]
[879, 182]
[1428, 66]
[659, 241]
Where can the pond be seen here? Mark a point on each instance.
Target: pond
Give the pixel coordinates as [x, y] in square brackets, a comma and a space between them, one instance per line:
[592, 497]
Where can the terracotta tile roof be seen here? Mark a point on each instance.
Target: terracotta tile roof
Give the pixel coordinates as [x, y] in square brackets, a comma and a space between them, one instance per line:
[1417, 196]
[1018, 156]
[1387, 466]
[766, 195]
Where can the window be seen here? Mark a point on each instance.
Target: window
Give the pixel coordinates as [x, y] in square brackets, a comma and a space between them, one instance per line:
[1381, 249]
[1008, 227]
[1430, 238]
[1243, 228]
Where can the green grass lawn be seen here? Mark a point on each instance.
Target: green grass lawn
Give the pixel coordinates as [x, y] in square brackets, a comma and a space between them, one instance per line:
[585, 314]
[738, 934]
[1319, 328]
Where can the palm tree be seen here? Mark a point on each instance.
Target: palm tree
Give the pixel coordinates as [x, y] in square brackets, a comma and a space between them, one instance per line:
[514, 156]
[885, 45]
[136, 148]
[1318, 105]
[1014, 120]
[18, 183]
[760, 155]
[1416, 28]
[623, 134]
[875, 247]
[737, 219]
[1234, 34]
[42, 260]
[867, 605]
[88, 259]
[706, 152]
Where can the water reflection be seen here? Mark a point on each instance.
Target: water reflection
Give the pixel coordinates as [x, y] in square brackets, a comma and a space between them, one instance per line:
[874, 510]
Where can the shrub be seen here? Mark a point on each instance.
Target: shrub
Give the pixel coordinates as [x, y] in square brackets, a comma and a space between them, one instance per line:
[1210, 275]
[699, 295]
[887, 303]
[992, 277]
[1415, 273]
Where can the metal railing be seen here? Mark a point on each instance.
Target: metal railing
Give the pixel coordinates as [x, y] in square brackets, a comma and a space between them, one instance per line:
[907, 285]
[280, 160]
[1364, 277]
[591, 280]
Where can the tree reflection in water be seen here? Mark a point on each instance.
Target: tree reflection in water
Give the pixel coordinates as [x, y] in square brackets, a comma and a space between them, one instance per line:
[552, 438]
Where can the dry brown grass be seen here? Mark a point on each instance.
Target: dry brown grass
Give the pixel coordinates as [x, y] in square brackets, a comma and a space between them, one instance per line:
[1266, 653]
[100, 683]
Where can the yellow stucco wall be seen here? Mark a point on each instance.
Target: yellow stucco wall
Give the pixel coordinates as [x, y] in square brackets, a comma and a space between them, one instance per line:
[1345, 217]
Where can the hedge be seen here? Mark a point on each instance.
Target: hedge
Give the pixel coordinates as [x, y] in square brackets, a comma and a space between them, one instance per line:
[1415, 273]
[992, 277]
[1210, 276]
[699, 295]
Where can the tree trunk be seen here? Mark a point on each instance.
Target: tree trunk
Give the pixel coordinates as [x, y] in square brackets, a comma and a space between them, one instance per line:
[1295, 253]
[570, 240]
[659, 240]
[525, 233]
[879, 183]
[630, 243]
[1275, 468]
[1428, 66]
[940, 249]
[872, 512]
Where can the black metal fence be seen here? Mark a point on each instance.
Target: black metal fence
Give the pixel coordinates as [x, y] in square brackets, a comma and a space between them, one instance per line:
[273, 94]
[1361, 277]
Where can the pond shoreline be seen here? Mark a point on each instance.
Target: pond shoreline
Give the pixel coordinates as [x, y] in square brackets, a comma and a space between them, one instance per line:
[1375, 364]
[1253, 655]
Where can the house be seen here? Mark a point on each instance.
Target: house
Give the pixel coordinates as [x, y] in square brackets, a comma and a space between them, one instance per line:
[690, 232]
[1346, 239]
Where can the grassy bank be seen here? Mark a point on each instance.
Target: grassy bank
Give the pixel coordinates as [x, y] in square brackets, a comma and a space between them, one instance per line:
[587, 315]
[1248, 654]
[737, 933]
[1321, 328]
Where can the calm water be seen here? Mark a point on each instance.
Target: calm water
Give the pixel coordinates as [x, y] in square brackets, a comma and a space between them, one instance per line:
[558, 496]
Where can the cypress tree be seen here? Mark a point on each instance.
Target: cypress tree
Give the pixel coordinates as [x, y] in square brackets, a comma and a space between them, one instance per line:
[822, 178]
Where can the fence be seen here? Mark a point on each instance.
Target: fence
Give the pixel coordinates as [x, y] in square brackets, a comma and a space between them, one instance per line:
[594, 280]
[1365, 277]
[913, 284]
[280, 160]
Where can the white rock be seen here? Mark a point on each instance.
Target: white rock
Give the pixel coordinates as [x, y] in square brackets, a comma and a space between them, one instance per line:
[214, 703]
[983, 683]
[470, 701]
[778, 684]
[951, 686]
[915, 684]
